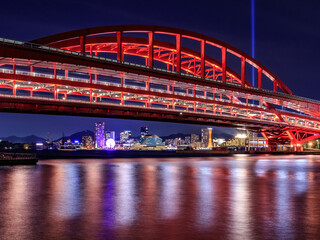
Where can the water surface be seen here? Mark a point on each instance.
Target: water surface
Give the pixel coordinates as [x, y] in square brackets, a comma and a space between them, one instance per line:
[239, 197]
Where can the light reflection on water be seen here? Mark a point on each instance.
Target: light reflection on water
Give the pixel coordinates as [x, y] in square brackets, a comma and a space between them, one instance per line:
[240, 197]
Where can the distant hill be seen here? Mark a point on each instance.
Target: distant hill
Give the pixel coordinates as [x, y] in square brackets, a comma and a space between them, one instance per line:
[176, 135]
[182, 135]
[78, 136]
[27, 139]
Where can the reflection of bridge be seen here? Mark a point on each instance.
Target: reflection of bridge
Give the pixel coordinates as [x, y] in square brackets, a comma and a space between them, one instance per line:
[152, 73]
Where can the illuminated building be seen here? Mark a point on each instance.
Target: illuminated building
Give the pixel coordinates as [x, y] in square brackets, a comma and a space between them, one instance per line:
[195, 138]
[168, 141]
[125, 136]
[187, 140]
[110, 134]
[99, 135]
[144, 131]
[151, 141]
[87, 142]
[204, 137]
[210, 138]
[178, 142]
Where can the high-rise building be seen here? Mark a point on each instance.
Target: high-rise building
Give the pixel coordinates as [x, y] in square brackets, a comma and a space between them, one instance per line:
[195, 138]
[187, 140]
[125, 136]
[204, 137]
[144, 131]
[99, 135]
[110, 134]
[87, 142]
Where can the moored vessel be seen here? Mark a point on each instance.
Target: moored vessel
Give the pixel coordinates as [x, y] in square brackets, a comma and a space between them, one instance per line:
[12, 158]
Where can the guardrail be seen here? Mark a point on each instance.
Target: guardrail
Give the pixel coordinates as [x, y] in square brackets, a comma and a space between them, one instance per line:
[83, 55]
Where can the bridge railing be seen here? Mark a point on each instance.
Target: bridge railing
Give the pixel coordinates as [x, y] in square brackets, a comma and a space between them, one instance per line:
[315, 126]
[83, 55]
[87, 56]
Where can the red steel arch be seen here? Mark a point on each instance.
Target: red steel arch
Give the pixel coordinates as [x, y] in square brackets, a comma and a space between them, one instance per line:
[82, 38]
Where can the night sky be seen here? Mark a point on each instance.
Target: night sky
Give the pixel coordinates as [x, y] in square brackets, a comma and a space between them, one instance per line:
[287, 41]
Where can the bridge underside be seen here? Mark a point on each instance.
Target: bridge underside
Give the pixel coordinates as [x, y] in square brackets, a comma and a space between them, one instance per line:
[74, 108]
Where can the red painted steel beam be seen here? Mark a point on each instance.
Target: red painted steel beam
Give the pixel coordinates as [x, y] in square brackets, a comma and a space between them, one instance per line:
[243, 70]
[275, 86]
[224, 63]
[82, 43]
[150, 48]
[259, 78]
[119, 46]
[203, 60]
[178, 49]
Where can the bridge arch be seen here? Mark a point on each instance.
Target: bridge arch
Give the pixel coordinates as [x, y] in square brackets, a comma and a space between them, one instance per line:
[112, 39]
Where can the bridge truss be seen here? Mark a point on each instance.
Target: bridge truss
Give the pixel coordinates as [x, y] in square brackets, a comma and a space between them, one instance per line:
[152, 73]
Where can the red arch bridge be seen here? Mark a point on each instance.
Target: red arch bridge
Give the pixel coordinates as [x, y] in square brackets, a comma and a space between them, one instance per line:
[152, 73]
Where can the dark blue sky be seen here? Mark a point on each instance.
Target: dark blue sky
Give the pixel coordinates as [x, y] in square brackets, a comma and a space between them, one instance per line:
[287, 42]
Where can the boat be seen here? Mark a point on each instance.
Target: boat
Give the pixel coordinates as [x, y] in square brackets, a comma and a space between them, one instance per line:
[11, 158]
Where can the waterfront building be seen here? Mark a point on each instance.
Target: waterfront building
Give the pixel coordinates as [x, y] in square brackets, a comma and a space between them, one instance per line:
[87, 142]
[144, 131]
[187, 140]
[110, 135]
[195, 138]
[99, 135]
[178, 142]
[204, 137]
[151, 141]
[125, 136]
[168, 142]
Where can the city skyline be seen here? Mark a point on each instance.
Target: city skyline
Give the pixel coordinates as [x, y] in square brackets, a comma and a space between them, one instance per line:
[20, 129]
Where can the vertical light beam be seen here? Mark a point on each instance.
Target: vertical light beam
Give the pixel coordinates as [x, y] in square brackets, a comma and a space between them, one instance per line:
[252, 36]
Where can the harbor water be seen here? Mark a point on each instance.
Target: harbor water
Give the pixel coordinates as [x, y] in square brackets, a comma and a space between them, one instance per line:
[235, 197]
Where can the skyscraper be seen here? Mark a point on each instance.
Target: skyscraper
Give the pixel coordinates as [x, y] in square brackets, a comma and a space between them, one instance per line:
[110, 134]
[125, 136]
[204, 137]
[99, 135]
[195, 138]
[87, 142]
[144, 131]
